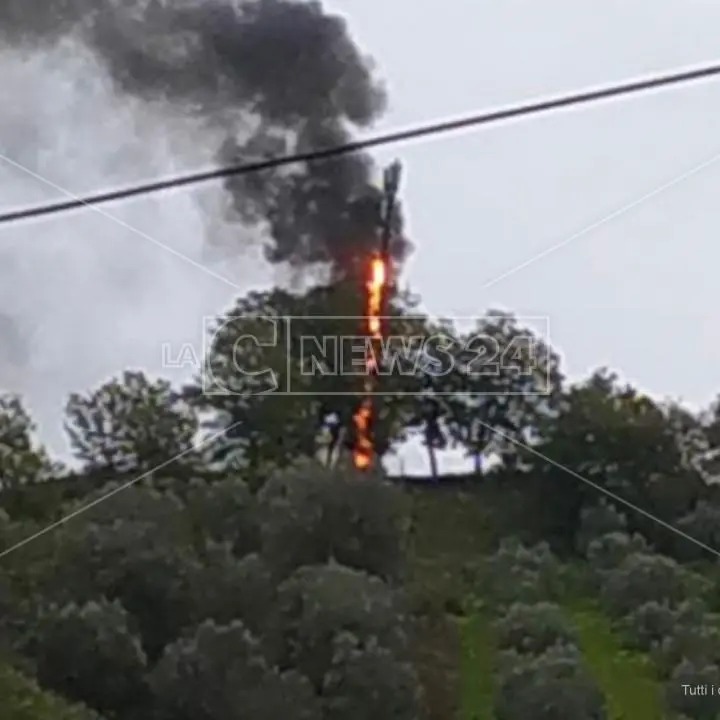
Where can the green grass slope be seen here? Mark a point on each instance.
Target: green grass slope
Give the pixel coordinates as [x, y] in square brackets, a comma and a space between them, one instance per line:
[626, 678]
[477, 668]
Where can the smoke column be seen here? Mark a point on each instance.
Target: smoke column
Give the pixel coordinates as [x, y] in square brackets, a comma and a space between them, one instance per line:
[105, 94]
[273, 76]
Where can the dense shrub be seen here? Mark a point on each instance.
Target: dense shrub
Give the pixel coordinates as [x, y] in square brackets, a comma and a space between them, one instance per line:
[225, 511]
[132, 562]
[551, 686]
[226, 588]
[366, 680]
[702, 524]
[142, 504]
[516, 573]
[532, 629]
[214, 588]
[317, 604]
[609, 551]
[17, 615]
[90, 654]
[648, 625]
[643, 578]
[311, 514]
[597, 521]
[700, 644]
[220, 674]
[713, 595]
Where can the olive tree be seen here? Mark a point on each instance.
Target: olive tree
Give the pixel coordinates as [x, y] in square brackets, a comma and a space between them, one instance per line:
[597, 521]
[647, 625]
[89, 653]
[224, 510]
[227, 588]
[532, 629]
[643, 578]
[551, 686]
[367, 680]
[608, 551]
[310, 514]
[316, 604]
[219, 673]
[701, 524]
[135, 547]
[516, 573]
[699, 644]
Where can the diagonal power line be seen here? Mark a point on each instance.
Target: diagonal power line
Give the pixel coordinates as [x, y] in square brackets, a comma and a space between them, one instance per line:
[440, 127]
[605, 219]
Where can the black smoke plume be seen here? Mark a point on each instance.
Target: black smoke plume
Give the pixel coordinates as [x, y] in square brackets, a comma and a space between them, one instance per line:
[274, 76]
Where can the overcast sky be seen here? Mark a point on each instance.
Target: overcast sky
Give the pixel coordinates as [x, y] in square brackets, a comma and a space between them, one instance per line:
[92, 296]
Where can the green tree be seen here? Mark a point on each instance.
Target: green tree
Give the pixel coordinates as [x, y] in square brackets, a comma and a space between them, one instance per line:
[643, 578]
[281, 341]
[220, 673]
[245, 367]
[311, 514]
[517, 573]
[224, 511]
[137, 548]
[618, 439]
[22, 461]
[596, 521]
[369, 680]
[227, 588]
[702, 524]
[317, 604]
[89, 654]
[505, 381]
[646, 626]
[533, 629]
[552, 686]
[700, 435]
[131, 424]
[700, 644]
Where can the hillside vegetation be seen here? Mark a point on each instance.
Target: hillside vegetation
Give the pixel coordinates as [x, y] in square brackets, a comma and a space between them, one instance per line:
[171, 577]
[628, 658]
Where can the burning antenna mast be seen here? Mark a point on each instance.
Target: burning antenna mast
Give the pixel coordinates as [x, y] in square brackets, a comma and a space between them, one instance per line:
[378, 279]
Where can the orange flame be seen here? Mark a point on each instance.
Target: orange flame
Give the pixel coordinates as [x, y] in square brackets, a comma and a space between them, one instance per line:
[375, 286]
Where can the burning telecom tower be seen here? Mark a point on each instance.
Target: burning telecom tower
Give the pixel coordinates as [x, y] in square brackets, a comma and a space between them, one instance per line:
[379, 269]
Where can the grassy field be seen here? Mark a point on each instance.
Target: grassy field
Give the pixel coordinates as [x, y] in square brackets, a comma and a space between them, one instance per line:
[626, 678]
[449, 534]
[454, 530]
[476, 668]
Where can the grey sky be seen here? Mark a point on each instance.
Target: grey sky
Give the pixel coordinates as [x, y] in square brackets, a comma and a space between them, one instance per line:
[637, 294]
